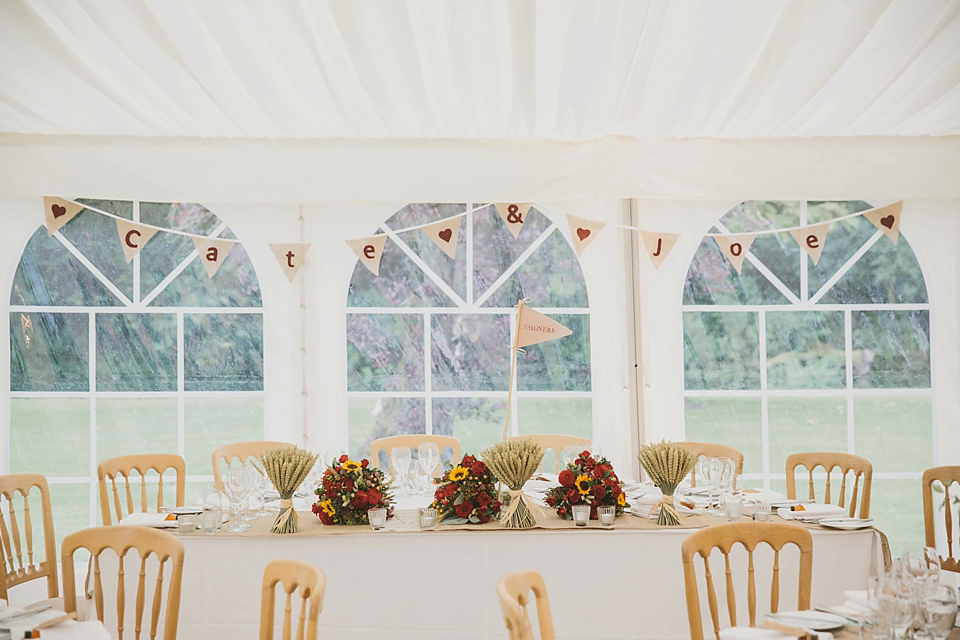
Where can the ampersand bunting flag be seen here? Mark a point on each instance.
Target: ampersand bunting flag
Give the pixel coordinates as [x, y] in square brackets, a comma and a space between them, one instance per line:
[735, 247]
[533, 327]
[58, 212]
[212, 251]
[133, 237]
[812, 239]
[369, 250]
[887, 219]
[445, 234]
[290, 257]
[658, 245]
[514, 215]
[583, 232]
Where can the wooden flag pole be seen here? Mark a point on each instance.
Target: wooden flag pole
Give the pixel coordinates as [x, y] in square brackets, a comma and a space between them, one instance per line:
[514, 349]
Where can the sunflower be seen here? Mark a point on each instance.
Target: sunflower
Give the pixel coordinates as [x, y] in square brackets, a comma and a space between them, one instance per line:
[458, 473]
[351, 465]
[621, 500]
[583, 484]
[327, 507]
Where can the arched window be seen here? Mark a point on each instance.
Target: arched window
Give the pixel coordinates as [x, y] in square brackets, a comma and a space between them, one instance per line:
[792, 356]
[111, 358]
[428, 339]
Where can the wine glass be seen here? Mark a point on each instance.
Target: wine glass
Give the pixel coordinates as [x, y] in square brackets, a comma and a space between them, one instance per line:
[251, 481]
[922, 566]
[938, 612]
[898, 606]
[235, 486]
[568, 454]
[429, 457]
[400, 456]
[263, 485]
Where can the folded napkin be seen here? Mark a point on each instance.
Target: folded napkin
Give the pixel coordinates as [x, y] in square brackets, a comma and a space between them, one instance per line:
[757, 633]
[72, 630]
[155, 520]
[811, 511]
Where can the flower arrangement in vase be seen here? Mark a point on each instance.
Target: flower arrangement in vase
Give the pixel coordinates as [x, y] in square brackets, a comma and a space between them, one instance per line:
[590, 481]
[348, 489]
[466, 494]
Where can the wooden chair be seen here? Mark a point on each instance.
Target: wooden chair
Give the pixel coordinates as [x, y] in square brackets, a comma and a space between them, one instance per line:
[13, 541]
[514, 589]
[712, 450]
[749, 534]
[556, 442]
[413, 441]
[292, 575]
[846, 463]
[945, 476]
[109, 470]
[164, 546]
[241, 451]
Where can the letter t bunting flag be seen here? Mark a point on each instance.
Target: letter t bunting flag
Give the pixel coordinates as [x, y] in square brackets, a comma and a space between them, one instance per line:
[533, 327]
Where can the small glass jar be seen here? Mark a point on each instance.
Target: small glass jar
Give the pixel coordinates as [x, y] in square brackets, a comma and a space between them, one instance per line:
[607, 515]
[581, 514]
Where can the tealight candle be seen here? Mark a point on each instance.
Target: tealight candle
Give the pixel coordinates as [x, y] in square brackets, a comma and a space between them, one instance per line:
[377, 518]
[607, 515]
[428, 518]
[581, 514]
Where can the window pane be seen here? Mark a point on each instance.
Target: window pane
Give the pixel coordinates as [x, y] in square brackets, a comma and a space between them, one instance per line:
[70, 504]
[558, 365]
[209, 423]
[401, 283]
[805, 350]
[895, 433]
[560, 414]
[494, 248]
[711, 279]
[136, 352]
[891, 499]
[372, 418]
[136, 425]
[167, 250]
[96, 237]
[223, 352]
[48, 352]
[843, 239]
[891, 349]
[470, 352]
[452, 271]
[384, 352]
[721, 350]
[122, 208]
[805, 424]
[551, 277]
[35, 423]
[234, 285]
[476, 422]
[734, 422]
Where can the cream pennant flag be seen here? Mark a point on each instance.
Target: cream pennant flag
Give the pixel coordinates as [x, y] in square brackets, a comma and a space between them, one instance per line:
[583, 232]
[658, 245]
[58, 212]
[887, 219]
[133, 237]
[212, 251]
[445, 234]
[735, 247]
[290, 257]
[812, 239]
[514, 215]
[533, 327]
[369, 250]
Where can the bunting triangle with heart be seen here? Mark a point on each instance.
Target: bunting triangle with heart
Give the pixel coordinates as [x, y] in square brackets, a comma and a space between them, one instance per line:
[583, 232]
[58, 212]
[887, 219]
[445, 234]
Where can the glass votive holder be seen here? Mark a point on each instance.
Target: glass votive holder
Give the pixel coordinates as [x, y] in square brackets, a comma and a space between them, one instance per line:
[761, 512]
[606, 515]
[428, 518]
[187, 522]
[733, 508]
[377, 517]
[581, 514]
[209, 521]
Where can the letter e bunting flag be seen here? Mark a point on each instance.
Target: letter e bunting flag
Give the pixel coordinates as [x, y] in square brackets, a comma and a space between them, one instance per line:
[533, 327]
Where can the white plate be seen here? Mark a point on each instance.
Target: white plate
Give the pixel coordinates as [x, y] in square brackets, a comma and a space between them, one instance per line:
[813, 620]
[847, 524]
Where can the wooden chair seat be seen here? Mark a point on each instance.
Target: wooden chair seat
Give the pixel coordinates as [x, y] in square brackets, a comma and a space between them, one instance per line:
[945, 476]
[292, 575]
[413, 441]
[124, 467]
[242, 451]
[846, 464]
[712, 450]
[513, 591]
[557, 443]
[19, 561]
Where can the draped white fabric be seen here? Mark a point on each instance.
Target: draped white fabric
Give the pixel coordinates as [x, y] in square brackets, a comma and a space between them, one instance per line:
[423, 69]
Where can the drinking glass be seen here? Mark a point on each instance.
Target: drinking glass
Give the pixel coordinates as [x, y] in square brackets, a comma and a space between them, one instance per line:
[235, 486]
[568, 454]
[400, 457]
[213, 503]
[251, 480]
[897, 606]
[714, 482]
[263, 485]
[377, 518]
[938, 612]
[429, 457]
[581, 514]
[922, 566]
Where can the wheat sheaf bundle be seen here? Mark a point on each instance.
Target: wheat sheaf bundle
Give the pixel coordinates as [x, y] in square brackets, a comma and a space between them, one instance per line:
[667, 464]
[514, 462]
[287, 467]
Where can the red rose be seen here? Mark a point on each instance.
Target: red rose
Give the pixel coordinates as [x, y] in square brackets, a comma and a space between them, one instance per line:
[484, 499]
[344, 458]
[572, 495]
[324, 518]
[597, 473]
[496, 506]
[468, 461]
[551, 502]
[561, 512]
[599, 491]
[373, 496]
[364, 463]
[359, 500]
[484, 518]
[616, 490]
[331, 493]
[593, 511]
[478, 468]
[567, 478]
[348, 484]
[464, 509]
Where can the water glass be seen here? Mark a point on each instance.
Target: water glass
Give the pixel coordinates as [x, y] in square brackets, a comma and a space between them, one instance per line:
[581, 514]
[428, 518]
[938, 612]
[400, 457]
[209, 521]
[377, 518]
[761, 512]
[213, 502]
[607, 515]
[429, 457]
[733, 508]
[187, 522]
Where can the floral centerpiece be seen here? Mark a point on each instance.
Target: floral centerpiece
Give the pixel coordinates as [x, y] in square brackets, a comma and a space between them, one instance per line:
[667, 464]
[286, 467]
[467, 494]
[348, 488]
[587, 480]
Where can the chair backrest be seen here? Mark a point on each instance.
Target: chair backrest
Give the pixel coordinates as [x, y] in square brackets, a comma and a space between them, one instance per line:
[556, 442]
[846, 463]
[292, 575]
[945, 476]
[14, 540]
[164, 546]
[242, 451]
[749, 534]
[123, 467]
[413, 441]
[513, 590]
[712, 450]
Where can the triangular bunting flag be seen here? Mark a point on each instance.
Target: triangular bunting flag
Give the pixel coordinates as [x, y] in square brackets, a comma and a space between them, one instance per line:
[213, 251]
[58, 212]
[290, 257]
[583, 232]
[735, 247]
[658, 245]
[514, 215]
[445, 234]
[369, 250]
[133, 237]
[811, 239]
[533, 327]
[887, 219]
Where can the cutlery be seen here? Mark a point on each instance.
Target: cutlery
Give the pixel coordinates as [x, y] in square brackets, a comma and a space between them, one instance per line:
[845, 616]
